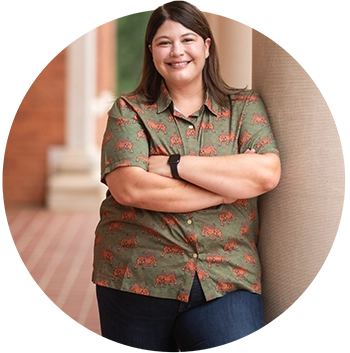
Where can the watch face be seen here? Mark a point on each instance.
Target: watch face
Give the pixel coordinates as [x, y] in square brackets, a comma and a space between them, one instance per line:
[174, 159]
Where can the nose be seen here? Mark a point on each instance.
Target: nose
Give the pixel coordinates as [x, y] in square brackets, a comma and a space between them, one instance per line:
[177, 50]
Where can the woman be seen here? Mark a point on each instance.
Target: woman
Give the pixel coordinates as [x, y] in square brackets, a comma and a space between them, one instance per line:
[184, 158]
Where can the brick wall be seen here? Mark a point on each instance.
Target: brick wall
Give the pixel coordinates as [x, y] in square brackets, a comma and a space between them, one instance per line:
[106, 70]
[39, 122]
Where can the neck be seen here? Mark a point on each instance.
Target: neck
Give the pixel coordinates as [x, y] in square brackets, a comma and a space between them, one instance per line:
[187, 99]
[186, 92]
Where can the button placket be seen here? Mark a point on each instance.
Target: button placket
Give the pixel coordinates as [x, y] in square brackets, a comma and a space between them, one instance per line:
[191, 223]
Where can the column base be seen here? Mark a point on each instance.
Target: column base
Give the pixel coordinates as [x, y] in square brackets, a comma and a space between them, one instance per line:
[74, 184]
[74, 193]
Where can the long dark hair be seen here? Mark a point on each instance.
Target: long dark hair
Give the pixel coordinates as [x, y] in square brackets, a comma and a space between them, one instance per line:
[192, 18]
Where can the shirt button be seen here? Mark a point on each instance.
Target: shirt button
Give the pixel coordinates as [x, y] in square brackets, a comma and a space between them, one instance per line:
[189, 221]
[191, 127]
[195, 256]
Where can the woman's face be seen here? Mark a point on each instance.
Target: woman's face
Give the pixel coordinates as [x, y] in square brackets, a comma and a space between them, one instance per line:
[179, 54]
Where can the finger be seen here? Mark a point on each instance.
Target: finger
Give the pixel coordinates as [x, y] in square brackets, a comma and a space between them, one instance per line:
[250, 150]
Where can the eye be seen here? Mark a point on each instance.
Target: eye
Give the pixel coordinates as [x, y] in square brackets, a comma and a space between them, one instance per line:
[164, 43]
[188, 40]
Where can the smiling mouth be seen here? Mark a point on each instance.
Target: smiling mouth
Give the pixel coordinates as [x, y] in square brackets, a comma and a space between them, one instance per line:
[179, 64]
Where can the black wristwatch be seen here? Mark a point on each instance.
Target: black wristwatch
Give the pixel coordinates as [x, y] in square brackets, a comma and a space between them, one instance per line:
[173, 161]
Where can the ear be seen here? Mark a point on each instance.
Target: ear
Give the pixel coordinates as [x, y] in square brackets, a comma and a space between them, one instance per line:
[207, 43]
[150, 48]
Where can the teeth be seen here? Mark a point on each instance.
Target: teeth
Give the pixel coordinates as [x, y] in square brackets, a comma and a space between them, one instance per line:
[180, 64]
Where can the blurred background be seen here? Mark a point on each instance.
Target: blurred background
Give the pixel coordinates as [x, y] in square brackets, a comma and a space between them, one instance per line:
[51, 183]
[130, 39]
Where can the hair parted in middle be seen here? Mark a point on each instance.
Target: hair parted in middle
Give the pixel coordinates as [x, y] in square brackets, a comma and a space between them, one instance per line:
[192, 18]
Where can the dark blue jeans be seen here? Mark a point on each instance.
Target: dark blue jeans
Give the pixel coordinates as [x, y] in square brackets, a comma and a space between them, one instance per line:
[169, 325]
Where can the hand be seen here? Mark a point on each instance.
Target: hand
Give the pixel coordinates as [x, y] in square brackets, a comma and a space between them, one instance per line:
[250, 151]
[159, 165]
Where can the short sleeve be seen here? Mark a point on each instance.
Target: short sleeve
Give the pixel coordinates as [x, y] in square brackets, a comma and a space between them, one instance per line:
[124, 142]
[256, 131]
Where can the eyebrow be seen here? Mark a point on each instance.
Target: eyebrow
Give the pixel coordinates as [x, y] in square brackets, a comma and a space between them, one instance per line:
[183, 35]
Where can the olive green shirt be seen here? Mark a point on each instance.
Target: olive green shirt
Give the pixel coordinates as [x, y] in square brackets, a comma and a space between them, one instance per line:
[157, 254]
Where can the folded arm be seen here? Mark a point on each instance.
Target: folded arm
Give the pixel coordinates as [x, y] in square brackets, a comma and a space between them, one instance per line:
[133, 186]
[238, 176]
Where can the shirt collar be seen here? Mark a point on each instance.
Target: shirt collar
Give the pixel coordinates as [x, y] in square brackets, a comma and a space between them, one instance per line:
[165, 100]
[211, 104]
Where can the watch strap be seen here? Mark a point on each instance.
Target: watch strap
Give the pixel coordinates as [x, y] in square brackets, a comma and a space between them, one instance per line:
[173, 161]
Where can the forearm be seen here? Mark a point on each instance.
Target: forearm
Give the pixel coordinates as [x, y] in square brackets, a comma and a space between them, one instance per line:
[240, 176]
[133, 186]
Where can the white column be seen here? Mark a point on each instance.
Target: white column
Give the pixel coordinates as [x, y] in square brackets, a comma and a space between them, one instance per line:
[234, 44]
[74, 169]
